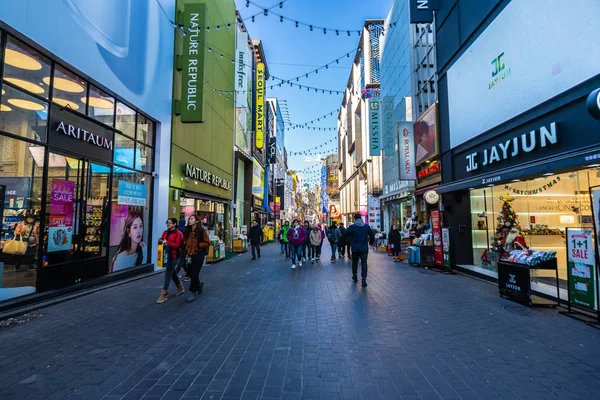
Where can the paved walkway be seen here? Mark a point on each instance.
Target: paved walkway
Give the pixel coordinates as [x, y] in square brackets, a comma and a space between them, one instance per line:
[261, 330]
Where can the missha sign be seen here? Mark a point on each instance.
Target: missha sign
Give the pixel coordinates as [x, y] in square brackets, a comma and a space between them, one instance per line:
[545, 136]
[76, 134]
[204, 176]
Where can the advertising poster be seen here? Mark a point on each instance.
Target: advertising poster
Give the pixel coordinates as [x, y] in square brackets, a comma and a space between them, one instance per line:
[436, 228]
[581, 267]
[60, 229]
[258, 179]
[374, 212]
[426, 135]
[406, 151]
[446, 247]
[132, 194]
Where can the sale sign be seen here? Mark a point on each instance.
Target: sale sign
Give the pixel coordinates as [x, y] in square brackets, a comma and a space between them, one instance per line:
[436, 228]
[581, 268]
[60, 228]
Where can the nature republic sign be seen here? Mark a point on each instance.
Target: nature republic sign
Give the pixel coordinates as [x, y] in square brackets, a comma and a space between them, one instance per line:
[192, 76]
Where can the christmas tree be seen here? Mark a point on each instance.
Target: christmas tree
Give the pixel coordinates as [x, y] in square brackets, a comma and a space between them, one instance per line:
[507, 220]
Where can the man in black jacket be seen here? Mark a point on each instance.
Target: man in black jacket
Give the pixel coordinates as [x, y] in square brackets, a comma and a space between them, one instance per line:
[255, 236]
[342, 242]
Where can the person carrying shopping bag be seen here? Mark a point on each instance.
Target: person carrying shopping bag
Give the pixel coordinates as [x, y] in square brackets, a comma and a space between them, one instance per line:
[173, 239]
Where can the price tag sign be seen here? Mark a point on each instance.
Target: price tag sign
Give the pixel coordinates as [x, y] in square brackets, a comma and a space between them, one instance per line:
[581, 267]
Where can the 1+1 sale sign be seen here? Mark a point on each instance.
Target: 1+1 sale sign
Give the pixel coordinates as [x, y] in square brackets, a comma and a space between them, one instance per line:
[581, 263]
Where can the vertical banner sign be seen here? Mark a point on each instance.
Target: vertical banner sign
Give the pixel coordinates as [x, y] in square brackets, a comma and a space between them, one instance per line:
[446, 248]
[421, 11]
[374, 131]
[581, 264]
[243, 99]
[192, 74]
[406, 151]
[260, 106]
[60, 229]
[272, 150]
[436, 228]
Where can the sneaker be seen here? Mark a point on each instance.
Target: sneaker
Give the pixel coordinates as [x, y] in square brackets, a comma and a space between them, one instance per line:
[303, 259]
[293, 266]
[354, 278]
[180, 290]
[364, 282]
[186, 279]
[313, 261]
[300, 264]
[164, 296]
[253, 258]
[191, 297]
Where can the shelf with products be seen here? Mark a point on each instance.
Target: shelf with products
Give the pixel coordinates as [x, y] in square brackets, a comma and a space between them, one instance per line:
[93, 223]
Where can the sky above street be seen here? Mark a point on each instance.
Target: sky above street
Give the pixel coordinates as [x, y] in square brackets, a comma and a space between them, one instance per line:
[292, 51]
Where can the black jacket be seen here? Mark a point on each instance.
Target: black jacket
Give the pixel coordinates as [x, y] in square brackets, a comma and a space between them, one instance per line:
[256, 234]
[395, 239]
[342, 240]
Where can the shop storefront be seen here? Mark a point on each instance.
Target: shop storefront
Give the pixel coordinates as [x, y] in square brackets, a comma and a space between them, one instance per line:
[76, 165]
[522, 188]
[521, 158]
[397, 204]
[428, 163]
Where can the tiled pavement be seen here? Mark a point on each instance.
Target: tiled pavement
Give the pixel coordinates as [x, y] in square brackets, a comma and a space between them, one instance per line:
[261, 330]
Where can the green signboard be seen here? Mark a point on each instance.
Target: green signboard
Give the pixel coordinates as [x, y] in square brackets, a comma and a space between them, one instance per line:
[192, 67]
[581, 267]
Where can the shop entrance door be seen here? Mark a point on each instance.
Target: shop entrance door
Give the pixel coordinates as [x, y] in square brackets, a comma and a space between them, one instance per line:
[75, 246]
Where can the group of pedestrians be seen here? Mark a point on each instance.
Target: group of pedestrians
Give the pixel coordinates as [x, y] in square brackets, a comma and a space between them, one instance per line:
[304, 243]
[187, 250]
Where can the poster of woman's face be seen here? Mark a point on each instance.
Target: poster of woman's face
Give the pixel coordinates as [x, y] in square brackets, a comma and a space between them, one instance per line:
[127, 233]
[425, 131]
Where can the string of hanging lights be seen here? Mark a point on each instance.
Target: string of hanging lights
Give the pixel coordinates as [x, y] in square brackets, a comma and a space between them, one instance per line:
[293, 153]
[316, 70]
[292, 125]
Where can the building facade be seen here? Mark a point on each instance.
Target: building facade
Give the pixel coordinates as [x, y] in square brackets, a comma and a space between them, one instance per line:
[276, 159]
[528, 158]
[399, 172]
[85, 128]
[359, 147]
[202, 157]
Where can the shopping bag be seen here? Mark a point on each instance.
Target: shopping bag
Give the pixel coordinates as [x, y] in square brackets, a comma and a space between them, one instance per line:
[163, 254]
[389, 249]
[15, 246]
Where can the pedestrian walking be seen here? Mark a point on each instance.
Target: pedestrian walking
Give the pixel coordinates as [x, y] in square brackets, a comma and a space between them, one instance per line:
[256, 236]
[342, 241]
[283, 239]
[296, 236]
[316, 239]
[395, 237]
[360, 236]
[322, 240]
[306, 245]
[196, 244]
[333, 236]
[172, 238]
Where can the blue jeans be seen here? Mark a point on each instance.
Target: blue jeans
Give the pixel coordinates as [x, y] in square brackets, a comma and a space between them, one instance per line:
[171, 273]
[295, 252]
[285, 247]
[333, 250]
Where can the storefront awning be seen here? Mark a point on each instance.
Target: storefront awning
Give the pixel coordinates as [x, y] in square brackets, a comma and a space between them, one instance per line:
[555, 165]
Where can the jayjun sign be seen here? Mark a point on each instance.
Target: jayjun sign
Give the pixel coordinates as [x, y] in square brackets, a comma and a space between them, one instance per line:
[512, 148]
[192, 77]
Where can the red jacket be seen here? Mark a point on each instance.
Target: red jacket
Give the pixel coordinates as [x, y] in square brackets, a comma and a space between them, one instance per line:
[174, 241]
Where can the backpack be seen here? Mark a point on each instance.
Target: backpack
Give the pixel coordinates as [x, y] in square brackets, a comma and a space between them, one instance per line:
[331, 235]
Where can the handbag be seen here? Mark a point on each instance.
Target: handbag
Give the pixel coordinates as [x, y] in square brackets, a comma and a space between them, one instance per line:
[15, 246]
